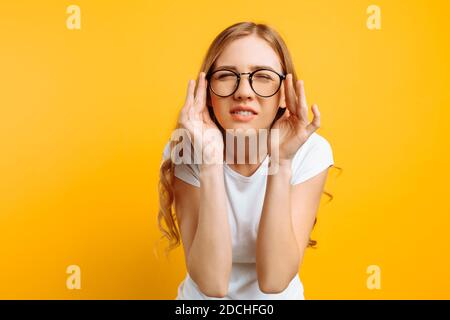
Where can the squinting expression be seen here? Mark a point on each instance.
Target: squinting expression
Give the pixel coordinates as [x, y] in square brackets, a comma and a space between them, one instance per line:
[246, 55]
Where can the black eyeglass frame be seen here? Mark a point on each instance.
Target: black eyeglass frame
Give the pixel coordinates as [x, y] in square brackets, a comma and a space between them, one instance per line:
[250, 75]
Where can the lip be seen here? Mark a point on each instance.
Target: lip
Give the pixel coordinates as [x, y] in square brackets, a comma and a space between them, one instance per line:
[244, 108]
[240, 117]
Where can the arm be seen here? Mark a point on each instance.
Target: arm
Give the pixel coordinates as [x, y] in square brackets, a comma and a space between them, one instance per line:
[203, 216]
[286, 222]
[288, 211]
[205, 230]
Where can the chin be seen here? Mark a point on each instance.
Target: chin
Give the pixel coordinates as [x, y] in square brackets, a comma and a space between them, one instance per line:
[236, 125]
[243, 126]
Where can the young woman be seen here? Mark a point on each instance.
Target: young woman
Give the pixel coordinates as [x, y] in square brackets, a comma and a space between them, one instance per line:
[243, 229]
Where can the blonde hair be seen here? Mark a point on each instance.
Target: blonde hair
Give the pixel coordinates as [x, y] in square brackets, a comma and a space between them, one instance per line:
[166, 214]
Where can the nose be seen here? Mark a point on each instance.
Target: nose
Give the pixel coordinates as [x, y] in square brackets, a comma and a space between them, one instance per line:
[244, 90]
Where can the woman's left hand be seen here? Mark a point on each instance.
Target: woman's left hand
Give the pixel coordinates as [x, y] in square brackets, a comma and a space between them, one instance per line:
[293, 126]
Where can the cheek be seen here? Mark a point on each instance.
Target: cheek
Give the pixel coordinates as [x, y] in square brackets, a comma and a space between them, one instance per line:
[270, 107]
[220, 107]
[221, 104]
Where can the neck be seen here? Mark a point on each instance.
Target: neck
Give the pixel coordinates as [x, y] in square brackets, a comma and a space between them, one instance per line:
[245, 156]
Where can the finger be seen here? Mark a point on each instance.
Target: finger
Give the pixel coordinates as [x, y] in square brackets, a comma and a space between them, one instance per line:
[302, 106]
[315, 123]
[200, 94]
[290, 94]
[285, 115]
[282, 101]
[206, 116]
[188, 100]
[205, 93]
[190, 93]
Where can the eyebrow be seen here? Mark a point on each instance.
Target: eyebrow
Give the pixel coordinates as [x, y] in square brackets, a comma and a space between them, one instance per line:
[252, 67]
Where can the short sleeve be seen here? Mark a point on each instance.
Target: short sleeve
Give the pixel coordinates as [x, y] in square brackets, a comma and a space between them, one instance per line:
[314, 156]
[189, 173]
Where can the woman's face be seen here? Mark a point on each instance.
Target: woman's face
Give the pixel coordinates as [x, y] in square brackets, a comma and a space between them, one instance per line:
[244, 55]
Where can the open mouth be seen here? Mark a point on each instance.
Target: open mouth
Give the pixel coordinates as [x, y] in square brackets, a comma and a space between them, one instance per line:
[243, 113]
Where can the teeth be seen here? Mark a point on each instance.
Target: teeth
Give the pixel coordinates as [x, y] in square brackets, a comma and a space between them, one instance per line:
[244, 113]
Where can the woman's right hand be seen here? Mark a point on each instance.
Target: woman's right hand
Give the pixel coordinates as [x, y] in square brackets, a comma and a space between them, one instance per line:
[194, 117]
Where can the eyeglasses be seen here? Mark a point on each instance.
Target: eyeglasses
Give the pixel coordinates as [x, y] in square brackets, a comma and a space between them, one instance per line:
[264, 82]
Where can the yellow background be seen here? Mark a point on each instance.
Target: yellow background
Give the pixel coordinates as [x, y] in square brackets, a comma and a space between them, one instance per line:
[84, 115]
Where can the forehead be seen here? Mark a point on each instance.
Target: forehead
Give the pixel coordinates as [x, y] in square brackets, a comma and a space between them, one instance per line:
[249, 51]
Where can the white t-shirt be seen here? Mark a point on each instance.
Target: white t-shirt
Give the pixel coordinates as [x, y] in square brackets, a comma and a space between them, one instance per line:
[245, 201]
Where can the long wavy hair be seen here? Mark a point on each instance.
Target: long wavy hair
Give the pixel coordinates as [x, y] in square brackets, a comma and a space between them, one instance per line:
[166, 213]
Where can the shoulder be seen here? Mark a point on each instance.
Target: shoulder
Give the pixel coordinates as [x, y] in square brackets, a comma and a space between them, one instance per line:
[314, 156]
[315, 142]
[189, 173]
[166, 152]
